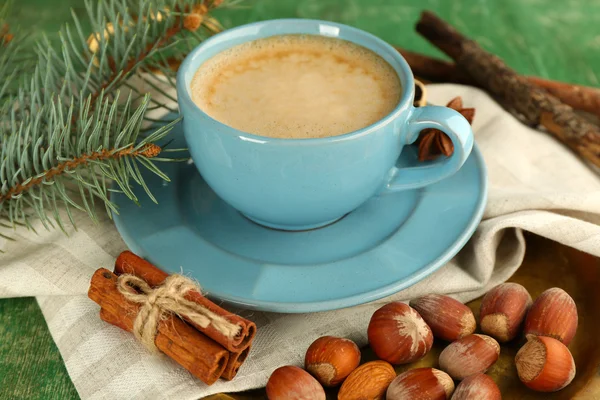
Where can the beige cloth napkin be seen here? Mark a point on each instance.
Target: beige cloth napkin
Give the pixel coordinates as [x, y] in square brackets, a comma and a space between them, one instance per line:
[535, 185]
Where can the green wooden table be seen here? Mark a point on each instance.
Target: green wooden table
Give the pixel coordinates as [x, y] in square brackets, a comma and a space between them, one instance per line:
[555, 39]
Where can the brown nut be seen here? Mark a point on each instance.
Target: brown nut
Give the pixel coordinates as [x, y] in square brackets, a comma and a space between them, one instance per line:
[471, 355]
[545, 364]
[331, 359]
[398, 334]
[553, 314]
[503, 310]
[369, 381]
[477, 387]
[293, 383]
[448, 319]
[421, 384]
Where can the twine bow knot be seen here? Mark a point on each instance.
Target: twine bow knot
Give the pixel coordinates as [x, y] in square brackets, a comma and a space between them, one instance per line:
[168, 298]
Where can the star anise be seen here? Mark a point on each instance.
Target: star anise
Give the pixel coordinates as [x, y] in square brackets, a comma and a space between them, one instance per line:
[434, 143]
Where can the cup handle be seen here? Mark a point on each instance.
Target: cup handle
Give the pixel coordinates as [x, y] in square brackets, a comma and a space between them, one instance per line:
[450, 122]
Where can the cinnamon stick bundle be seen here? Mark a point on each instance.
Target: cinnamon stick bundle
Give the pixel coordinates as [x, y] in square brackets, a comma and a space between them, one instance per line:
[536, 106]
[200, 355]
[129, 263]
[432, 69]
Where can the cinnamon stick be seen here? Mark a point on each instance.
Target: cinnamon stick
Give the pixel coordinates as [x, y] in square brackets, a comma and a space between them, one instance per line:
[200, 355]
[235, 362]
[129, 263]
[579, 97]
[535, 105]
[112, 319]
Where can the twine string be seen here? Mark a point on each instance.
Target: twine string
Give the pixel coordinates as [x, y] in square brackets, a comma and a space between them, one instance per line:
[168, 298]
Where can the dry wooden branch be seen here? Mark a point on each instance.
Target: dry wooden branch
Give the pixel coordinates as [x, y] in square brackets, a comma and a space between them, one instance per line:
[537, 106]
[435, 70]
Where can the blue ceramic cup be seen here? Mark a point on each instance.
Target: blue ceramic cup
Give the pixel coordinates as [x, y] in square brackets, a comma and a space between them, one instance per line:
[297, 184]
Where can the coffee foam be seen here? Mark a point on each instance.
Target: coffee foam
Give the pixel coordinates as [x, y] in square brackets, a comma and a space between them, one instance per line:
[296, 86]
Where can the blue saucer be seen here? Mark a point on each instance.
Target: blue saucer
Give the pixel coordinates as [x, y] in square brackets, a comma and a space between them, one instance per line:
[389, 243]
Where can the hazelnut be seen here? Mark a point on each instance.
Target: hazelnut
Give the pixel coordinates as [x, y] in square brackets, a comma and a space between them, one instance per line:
[421, 384]
[503, 310]
[553, 314]
[448, 319]
[369, 381]
[471, 355]
[545, 364]
[293, 383]
[477, 387]
[331, 359]
[398, 334]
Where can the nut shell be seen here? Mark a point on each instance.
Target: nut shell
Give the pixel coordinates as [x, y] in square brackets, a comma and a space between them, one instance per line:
[477, 387]
[449, 319]
[471, 355]
[545, 364]
[369, 381]
[421, 384]
[293, 383]
[331, 359]
[553, 314]
[398, 334]
[503, 310]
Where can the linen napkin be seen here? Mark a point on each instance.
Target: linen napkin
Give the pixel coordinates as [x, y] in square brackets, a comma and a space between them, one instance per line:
[536, 184]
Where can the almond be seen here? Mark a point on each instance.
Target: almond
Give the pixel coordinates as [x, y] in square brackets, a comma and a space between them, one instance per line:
[369, 381]
[448, 319]
[473, 354]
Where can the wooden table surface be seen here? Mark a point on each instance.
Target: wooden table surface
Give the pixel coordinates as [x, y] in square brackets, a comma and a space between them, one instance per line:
[556, 39]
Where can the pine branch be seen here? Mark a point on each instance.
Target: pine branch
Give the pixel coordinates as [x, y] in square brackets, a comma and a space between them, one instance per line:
[150, 150]
[66, 133]
[37, 178]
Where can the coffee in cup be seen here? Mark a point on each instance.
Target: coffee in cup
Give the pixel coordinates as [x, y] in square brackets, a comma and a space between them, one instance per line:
[297, 86]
